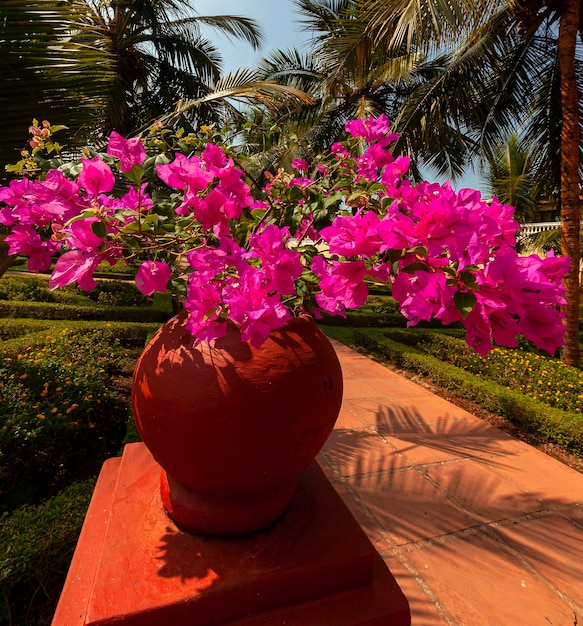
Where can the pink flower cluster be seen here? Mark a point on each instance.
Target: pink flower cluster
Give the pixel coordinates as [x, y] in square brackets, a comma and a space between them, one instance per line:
[306, 243]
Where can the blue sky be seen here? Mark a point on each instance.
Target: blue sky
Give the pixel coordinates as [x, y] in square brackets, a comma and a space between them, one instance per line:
[278, 19]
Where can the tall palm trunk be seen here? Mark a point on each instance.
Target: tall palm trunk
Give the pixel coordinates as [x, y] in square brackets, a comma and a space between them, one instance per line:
[570, 175]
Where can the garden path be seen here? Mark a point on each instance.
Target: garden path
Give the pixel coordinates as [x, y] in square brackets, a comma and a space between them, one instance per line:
[477, 527]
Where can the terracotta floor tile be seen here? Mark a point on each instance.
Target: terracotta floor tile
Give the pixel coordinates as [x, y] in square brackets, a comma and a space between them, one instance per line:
[408, 506]
[359, 388]
[575, 514]
[381, 413]
[423, 611]
[365, 368]
[480, 584]
[348, 419]
[370, 527]
[471, 441]
[429, 527]
[483, 492]
[425, 449]
[360, 452]
[554, 547]
[542, 475]
[398, 387]
[430, 408]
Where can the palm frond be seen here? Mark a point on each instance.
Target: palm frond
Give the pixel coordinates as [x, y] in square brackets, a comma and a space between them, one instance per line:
[242, 28]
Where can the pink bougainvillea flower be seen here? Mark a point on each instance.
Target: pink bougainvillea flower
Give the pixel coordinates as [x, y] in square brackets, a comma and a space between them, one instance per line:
[423, 295]
[96, 176]
[81, 235]
[214, 157]
[153, 276]
[130, 152]
[354, 235]
[236, 189]
[24, 239]
[260, 323]
[72, 266]
[280, 265]
[299, 164]
[373, 129]
[342, 285]
[448, 254]
[185, 172]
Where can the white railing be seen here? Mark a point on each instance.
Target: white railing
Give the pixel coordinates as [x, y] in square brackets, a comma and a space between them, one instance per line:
[539, 227]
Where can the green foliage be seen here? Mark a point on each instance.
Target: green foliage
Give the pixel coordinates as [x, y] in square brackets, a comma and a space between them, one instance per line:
[542, 378]
[533, 414]
[28, 288]
[116, 293]
[61, 415]
[36, 546]
[48, 311]
[56, 398]
[18, 328]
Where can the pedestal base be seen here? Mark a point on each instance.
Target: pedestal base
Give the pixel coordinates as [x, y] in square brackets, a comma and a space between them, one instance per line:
[132, 565]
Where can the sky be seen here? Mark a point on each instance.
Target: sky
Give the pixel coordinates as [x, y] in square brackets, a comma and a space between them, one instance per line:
[278, 20]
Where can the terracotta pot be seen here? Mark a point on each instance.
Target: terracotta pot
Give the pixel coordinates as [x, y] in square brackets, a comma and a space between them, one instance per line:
[233, 426]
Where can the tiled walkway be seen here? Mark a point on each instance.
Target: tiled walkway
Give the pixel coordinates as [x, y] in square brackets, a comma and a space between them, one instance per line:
[478, 528]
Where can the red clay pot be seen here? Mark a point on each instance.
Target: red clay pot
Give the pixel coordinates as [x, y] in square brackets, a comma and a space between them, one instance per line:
[232, 426]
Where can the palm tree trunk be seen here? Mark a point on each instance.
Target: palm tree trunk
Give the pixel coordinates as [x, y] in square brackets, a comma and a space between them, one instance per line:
[570, 176]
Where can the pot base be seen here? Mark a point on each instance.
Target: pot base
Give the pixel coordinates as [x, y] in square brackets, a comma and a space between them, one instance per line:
[133, 566]
[223, 516]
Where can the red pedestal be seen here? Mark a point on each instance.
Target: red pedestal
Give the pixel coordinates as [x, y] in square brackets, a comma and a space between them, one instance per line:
[133, 566]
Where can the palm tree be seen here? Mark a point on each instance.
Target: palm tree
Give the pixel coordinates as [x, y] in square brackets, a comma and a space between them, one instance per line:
[103, 65]
[117, 64]
[345, 74]
[509, 177]
[510, 64]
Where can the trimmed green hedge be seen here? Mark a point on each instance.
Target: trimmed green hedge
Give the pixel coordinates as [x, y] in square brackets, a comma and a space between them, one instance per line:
[12, 328]
[562, 427]
[60, 415]
[35, 553]
[54, 311]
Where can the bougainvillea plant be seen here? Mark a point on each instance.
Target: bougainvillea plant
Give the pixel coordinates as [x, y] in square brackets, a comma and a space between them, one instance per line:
[185, 212]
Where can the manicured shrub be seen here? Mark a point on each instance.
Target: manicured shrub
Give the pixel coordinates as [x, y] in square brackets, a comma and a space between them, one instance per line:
[41, 310]
[9, 329]
[539, 377]
[59, 418]
[35, 553]
[116, 293]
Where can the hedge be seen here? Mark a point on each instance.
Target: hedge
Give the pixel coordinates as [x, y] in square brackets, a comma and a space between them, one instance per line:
[35, 553]
[52, 311]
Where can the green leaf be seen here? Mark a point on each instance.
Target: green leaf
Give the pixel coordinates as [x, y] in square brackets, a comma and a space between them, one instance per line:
[420, 251]
[333, 199]
[99, 229]
[464, 301]
[468, 277]
[414, 267]
[87, 213]
[152, 218]
[136, 175]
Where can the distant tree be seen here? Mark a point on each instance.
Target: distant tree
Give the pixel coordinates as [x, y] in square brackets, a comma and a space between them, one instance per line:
[345, 74]
[513, 63]
[510, 177]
